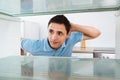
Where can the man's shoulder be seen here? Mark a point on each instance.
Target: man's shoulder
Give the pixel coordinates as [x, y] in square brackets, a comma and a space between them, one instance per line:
[34, 40]
[75, 34]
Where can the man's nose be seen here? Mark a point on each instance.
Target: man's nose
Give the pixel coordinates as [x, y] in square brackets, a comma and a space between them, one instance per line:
[54, 36]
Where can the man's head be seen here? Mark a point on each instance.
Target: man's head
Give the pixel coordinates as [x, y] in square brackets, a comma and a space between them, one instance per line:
[59, 28]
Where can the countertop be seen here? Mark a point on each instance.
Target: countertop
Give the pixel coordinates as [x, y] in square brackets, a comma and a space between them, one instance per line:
[109, 50]
[82, 50]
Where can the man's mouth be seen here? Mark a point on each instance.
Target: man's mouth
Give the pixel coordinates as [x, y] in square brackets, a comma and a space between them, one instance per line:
[54, 42]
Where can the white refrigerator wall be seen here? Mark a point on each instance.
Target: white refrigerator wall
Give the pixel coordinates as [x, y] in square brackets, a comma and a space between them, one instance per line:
[118, 36]
[30, 30]
[104, 21]
[9, 36]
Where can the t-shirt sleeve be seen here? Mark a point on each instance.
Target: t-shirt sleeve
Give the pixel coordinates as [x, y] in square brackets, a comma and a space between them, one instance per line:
[76, 37]
[30, 45]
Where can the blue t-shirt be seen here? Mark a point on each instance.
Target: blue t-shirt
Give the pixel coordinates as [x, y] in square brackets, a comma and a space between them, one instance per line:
[42, 47]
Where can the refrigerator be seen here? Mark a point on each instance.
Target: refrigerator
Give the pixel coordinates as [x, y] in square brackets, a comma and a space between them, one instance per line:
[12, 28]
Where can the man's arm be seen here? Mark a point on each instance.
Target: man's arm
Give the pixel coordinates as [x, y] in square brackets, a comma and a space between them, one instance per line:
[88, 31]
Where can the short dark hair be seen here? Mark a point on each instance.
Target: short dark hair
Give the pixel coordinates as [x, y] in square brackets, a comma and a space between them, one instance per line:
[61, 19]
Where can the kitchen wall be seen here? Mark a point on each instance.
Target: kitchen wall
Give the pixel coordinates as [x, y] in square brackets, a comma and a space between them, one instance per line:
[104, 21]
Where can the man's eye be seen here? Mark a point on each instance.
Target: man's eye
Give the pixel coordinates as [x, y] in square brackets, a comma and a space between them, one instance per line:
[51, 31]
[59, 33]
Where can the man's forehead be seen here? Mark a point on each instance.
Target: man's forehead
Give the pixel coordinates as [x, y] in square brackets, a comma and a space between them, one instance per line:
[57, 30]
[57, 27]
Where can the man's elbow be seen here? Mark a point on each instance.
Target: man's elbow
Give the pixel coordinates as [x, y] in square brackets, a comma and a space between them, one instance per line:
[96, 34]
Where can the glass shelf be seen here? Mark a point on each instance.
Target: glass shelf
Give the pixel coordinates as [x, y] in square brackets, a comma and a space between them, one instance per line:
[58, 68]
[44, 7]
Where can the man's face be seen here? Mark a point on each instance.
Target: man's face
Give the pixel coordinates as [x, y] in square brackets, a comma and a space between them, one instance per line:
[56, 35]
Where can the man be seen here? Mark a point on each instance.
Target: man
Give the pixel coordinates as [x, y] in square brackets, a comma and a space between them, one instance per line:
[62, 36]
